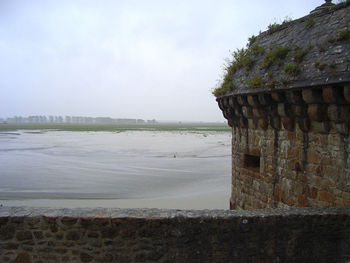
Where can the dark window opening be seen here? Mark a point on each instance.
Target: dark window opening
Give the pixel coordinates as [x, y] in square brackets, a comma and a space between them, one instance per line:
[251, 161]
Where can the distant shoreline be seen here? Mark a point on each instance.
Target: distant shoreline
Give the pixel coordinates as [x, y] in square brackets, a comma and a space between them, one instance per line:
[192, 127]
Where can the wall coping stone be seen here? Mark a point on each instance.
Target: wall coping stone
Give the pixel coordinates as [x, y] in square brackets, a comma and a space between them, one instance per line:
[166, 213]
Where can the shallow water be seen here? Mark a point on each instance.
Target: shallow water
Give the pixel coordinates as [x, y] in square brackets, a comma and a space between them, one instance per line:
[127, 169]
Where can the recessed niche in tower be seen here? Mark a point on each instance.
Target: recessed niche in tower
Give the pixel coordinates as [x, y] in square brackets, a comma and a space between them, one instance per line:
[251, 161]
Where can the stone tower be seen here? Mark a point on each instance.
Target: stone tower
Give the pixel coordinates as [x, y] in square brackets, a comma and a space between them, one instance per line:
[287, 98]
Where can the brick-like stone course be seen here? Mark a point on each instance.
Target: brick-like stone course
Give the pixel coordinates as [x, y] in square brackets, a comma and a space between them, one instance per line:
[152, 235]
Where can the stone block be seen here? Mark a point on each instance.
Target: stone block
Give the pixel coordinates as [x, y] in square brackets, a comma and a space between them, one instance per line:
[293, 153]
[326, 196]
[232, 101]
[24, 235]
[265, 99]
[303, 124]
[317, 112]
[346, 203]
[313, 192]
[224, 102]
[253, 101]
[109, 233]
[101, 221]
[247, 111]
[339, 202]
[221, 104]
[333, 95]
[326, 184]
[302, 201]
[50, 220]
[10, 246]
[284, 110]
[272, 110]
[68, 221]
[347, 92]
[338, 113]
[342, 128]
[288, 123]
[312, 96]
[22, 258]
[259, 113]
[299, 110]
[294, 97]
[38, 235]
[278, 96]
[73, 235]
[242, 100]
[301, 177]
[291, 136]
[243, 123]
[275, 122]
[263, 123]
[320, 127]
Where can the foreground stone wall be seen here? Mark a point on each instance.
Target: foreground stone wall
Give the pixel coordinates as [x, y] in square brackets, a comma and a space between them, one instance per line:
[141, 235]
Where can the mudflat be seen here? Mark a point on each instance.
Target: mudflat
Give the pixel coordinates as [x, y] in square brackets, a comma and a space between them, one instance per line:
[179, 168]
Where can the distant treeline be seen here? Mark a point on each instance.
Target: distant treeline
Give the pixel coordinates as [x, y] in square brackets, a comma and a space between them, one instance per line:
[72, 119]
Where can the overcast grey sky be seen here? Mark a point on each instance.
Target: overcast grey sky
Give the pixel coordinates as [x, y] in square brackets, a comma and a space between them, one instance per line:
[136, 58]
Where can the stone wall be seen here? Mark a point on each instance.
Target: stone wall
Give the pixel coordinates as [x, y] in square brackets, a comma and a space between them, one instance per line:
[295, 169]
[151, 235]
[290, 148]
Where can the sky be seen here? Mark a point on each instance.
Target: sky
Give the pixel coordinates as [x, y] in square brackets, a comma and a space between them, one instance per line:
[154, 59]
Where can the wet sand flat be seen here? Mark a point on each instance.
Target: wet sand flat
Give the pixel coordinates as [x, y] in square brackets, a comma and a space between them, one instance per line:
[162, 169]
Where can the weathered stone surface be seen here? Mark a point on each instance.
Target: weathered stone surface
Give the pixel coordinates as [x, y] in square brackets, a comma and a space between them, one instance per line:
[24, 235]
[73, 235]
[154, 235]
[84, 257]
[333, 95]
[318, 54]
[7, 232]
[38, 234]
[22, 258]
[68, 221]
[317, 112]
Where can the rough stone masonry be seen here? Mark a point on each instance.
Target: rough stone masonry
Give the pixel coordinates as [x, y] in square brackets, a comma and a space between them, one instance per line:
[43, 235]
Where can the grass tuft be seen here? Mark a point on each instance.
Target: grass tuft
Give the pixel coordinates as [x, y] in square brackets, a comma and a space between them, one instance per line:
[276, 55]
[343, 35]
[299, 54]
[310, 22]
[320, 66]
[255, 82]
[291, 70]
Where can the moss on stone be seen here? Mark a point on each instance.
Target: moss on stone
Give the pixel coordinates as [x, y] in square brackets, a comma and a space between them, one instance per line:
[310, 22]
[343, 35]
[291, 69]
[276, 55]
[320, 66]
[255, 82]
[299, 54]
